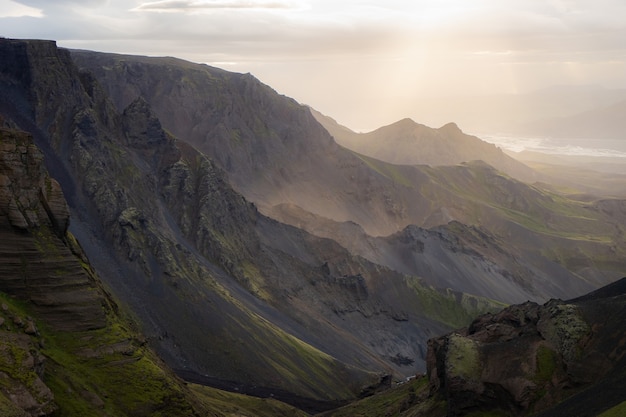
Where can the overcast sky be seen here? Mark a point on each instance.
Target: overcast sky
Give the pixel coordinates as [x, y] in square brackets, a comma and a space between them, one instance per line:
[365, 63]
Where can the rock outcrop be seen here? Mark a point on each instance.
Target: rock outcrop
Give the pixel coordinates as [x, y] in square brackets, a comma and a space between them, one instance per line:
[23, 392]
[60, 333]
[38, 259]
[279, 157]
[530, 358]
[220, 290]
[560, 359]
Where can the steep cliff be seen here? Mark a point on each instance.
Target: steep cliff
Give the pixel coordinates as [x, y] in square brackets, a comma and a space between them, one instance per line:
[563, 358]
[64, 347]
[38, 259]
[224, 294]
[277, 155]
[530, 358]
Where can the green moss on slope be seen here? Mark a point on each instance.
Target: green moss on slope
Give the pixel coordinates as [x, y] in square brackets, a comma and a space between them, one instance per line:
[96, 372]
[406, 399]
[289, 364]
[617, 411]
[232, 404]
[463, 358]
[8, 409]
[451, 308]
[546, 363]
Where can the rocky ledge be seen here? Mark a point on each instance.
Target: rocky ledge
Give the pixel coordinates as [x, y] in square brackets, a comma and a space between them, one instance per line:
[39, 261]
[528, 358]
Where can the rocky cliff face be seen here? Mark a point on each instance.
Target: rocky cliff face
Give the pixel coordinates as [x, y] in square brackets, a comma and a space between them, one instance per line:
[271, 147]
[64, 350]
[529, 358]
[222, 292]
[277, 155]
[563, 358]
[38, 259]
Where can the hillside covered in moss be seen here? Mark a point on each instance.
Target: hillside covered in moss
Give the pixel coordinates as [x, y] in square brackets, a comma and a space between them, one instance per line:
[165, 221]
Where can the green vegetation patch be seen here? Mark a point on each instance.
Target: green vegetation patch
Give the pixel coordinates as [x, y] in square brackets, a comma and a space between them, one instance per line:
[15, 346]
[565, 329]
[405, 399]
[298, 366]
[108, 372]
[8, 409]
[546, 364]
[390, 171]
[617, 411]
[12, 363]
[449, 307]
[463, 358]
[232, 404]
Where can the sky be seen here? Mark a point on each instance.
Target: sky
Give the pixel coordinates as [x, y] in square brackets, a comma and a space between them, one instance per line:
[364, 63]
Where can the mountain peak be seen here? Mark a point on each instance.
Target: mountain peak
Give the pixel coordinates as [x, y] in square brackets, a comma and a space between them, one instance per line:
[449, 128]
[407, 122]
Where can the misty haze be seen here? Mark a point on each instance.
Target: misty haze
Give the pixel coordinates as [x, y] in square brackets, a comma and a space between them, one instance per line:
[305, 207]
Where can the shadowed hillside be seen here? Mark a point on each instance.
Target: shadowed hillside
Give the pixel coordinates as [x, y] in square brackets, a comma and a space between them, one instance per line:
[276, 154]
[169, 169]
[563, 358]
[222, 292]
[64, 347]
[409, 143]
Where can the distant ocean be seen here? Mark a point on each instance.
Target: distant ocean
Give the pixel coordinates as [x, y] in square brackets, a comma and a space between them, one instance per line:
[615, 148]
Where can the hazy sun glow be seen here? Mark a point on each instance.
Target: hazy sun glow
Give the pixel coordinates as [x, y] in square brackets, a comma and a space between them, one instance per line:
[365, 62]
[9, 8]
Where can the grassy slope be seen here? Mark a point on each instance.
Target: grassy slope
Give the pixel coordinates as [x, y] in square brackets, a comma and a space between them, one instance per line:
[616, 411]
[407, 399]
[102, 372]
[451, 308]
[232, 404]
[569, 231]
[487, 191]
[110, 372]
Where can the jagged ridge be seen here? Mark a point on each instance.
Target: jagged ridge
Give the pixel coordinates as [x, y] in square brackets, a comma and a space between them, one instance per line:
[562, 358]
[220, 289]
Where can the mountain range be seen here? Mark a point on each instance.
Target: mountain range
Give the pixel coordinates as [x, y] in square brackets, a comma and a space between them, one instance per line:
[524, 113]
[298, 167]
[599, 123]
[252, 250]
[562, 358]
[409, 143]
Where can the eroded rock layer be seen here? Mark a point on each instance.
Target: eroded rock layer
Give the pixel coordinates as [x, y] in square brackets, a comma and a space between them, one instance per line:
[39, 260]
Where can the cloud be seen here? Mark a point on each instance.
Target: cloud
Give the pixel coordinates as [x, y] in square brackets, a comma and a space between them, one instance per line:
[194, 6]
[351, 54]
[10, 8]
[51, 4]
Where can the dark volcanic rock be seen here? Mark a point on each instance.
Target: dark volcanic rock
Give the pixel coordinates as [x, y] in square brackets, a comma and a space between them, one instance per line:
[529, 358]
[218, 287]
[38, 259]
[279, 157]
